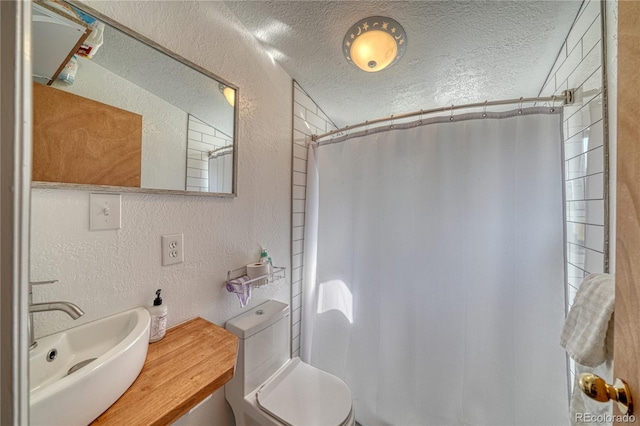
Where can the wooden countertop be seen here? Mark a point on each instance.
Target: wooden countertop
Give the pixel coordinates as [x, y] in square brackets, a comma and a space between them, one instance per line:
[191, 362]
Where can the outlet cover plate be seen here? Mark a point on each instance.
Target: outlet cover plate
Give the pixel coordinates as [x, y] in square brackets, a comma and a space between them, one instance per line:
[172, 251]
[105, 211]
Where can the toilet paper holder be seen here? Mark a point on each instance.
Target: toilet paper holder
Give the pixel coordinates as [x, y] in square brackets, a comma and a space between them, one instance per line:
[277, 273]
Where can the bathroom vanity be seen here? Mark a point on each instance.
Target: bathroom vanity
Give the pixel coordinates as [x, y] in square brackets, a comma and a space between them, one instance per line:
[194, 359]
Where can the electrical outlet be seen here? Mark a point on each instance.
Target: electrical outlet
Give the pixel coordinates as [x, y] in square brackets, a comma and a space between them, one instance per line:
[172, 249]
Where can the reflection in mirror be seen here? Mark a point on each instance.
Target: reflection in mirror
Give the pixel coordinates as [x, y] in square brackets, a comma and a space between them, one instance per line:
[112, 110]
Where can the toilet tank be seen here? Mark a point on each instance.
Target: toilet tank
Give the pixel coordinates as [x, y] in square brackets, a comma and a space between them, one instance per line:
[264, 344]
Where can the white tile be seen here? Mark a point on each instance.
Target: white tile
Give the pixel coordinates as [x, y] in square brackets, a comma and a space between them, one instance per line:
[592, 36]
[302, 126]
[214, 140]
[575, 189]
[295, 343]
[592, 87]
[202, 128]
[595, 161]
[300, 97]
[297, 219]
[575, 275]
[295, 330]
[194, 173]
[298, 206]
[193, 153]
[296, 288]
[296, 274]
[571, 294]
[576, 211]
[299, 110]
[197, 164]
[589, 13]
[295, 302]
[595, 237]
[193, 188]
[197, 182]
[594, 187]
[569, 65]
[296, 316]
[595, 212]
[296, 353]
[297, 246]
[576, 233]
[299, 178]
[299, 165]
[299, 151]
[196, 136]
[576, 167]
[299, 192]
[204, 174]
[315, 120]
[201, 146]
[296, 261]
[588, 115]
[575, 146]
[300, 138]
[576, 255]
[594, 261]
[297, 233]
[594, 135]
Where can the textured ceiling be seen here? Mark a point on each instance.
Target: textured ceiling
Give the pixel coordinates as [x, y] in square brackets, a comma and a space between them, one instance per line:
[458, 52]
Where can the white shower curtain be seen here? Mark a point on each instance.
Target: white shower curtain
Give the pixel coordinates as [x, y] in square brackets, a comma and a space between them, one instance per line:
[221, 172]
[434, 271]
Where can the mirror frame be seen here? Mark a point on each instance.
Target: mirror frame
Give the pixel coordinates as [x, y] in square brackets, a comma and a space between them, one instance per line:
[126, 189]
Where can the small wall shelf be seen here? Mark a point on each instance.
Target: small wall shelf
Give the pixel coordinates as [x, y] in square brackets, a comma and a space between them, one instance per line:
[278, 273]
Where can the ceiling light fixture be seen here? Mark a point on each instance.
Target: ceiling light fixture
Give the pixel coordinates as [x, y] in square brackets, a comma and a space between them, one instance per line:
[374, 43]
[228, 93]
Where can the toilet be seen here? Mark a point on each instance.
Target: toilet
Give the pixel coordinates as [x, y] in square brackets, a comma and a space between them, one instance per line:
[270, 388]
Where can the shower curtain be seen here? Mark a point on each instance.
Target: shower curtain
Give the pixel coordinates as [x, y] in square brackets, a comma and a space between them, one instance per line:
[221, 172]
[434, 270]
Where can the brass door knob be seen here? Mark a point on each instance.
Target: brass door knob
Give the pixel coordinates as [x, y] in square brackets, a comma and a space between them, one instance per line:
[596, 388]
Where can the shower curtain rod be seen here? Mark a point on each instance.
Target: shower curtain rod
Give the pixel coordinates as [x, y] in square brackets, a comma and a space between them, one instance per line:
[216, 151]
[567, 98]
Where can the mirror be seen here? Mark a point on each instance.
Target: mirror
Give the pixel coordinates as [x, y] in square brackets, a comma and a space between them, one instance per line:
[114, 111]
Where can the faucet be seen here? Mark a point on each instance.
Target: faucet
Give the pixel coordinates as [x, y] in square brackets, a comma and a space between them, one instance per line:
[69, 308]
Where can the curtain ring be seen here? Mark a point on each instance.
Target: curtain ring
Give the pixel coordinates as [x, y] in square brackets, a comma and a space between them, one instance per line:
[520, 105]
[420, 120]
[451, 118]
[484, 110]
[366, 126]
[553, 103]
[391, 126]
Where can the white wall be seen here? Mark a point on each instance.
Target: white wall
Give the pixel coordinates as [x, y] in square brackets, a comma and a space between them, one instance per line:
[105, 272]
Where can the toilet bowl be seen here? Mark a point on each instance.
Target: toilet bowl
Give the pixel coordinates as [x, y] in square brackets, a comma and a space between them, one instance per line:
[270, 388]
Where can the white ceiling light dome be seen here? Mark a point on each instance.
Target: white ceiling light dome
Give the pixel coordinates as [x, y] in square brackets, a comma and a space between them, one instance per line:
[374, 43]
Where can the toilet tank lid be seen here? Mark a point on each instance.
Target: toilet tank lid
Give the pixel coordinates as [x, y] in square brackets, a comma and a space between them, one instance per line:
[257, 319]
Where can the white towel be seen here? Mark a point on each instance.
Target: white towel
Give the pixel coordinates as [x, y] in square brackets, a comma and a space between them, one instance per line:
[584, 335]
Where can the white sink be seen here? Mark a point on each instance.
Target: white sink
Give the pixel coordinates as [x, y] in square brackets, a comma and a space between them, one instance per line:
[119, 345]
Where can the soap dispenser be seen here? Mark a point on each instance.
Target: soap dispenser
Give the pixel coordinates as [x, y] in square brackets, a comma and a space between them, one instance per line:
[158, 314]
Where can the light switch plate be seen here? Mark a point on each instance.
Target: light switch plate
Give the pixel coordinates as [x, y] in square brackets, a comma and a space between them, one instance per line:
[105, 211]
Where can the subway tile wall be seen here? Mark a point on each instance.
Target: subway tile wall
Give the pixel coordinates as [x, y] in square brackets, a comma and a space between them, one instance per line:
[202, 138]
[580, 65]
[308, 119]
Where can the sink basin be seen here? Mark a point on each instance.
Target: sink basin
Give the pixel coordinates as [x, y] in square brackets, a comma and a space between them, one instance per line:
[76, 374]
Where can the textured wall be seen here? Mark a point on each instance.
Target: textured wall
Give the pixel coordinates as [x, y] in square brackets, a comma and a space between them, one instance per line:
[105, 272]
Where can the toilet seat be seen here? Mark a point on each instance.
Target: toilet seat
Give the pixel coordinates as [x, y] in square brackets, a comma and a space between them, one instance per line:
[300, 394]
